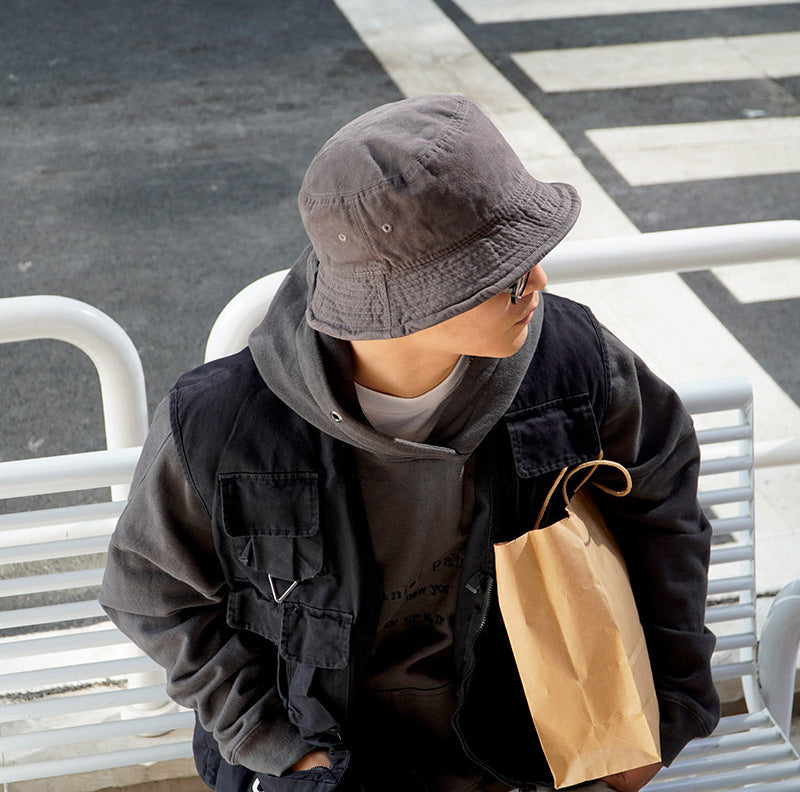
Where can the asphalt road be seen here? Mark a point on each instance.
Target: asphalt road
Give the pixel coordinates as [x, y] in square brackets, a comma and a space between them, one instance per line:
[150, 155]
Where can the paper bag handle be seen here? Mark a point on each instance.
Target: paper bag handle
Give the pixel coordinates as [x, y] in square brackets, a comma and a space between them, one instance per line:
[563, 478]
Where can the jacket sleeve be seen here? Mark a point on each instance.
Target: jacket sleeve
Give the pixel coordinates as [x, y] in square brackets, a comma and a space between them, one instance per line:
[164, 588]
[665, 539]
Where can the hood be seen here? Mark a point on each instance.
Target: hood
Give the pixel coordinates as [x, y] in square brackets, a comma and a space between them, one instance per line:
[312, 373]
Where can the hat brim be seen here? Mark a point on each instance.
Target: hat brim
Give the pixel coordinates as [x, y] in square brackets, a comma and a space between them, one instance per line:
[356, 304]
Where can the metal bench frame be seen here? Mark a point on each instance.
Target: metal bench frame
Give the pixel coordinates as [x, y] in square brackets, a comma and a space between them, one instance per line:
[85, 689]
[750, 750]
[49, 671]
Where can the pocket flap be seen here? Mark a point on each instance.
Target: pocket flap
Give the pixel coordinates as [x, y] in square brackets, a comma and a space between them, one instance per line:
[270, 504]
[551, 436]
[273, 522]
[315, 637]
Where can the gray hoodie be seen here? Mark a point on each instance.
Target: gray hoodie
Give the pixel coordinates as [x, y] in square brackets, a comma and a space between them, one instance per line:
[417, 498]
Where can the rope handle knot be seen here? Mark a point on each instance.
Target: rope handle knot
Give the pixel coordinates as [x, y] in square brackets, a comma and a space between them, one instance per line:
[564, 478]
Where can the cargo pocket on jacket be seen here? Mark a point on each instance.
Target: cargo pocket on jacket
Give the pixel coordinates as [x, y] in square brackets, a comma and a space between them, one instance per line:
[315, 637]
[272, 520]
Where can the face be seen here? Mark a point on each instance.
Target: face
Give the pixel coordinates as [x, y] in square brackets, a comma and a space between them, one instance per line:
[495, 328]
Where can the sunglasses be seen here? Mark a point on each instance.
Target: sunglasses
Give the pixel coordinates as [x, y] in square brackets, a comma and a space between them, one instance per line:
[517, 289]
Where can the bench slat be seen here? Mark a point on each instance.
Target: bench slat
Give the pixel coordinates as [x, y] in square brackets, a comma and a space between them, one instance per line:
[731, 585]
[716, 614]
[43, 677]
[718, 497]
[63, 515]
[82, 702]
[729, 555]
[727, 643]
[51, 614]
[68, 641]
[57, 581]
[730, 742]
[735, 464]
[771, 769]
[71, 735]
[724, 434]
[96, 761]
[733, 670]
[63, 548]
[724, 526]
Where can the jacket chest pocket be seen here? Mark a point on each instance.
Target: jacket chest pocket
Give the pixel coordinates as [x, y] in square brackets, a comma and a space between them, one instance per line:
[271, 521]
[550, 436]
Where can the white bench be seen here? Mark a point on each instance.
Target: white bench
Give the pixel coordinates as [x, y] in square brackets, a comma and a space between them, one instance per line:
[750, 748]
[75, 694]
[76, 697]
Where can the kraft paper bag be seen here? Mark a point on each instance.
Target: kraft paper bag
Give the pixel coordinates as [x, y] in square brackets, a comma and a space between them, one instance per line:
[578, 644]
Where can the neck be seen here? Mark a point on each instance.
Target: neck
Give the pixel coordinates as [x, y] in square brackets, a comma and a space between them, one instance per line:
[396, 368]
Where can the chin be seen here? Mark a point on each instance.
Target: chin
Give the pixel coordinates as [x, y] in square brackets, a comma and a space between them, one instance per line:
[513, 346]
[519, 340]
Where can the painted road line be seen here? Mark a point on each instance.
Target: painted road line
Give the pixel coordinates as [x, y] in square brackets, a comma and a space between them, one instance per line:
[754, 283]
[668, 153]
[777, 53]
[663, 62]
[486, 11]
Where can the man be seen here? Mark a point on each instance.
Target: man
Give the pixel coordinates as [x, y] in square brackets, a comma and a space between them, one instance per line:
[307, 548]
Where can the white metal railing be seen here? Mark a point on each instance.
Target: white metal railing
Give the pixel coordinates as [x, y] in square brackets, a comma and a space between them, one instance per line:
[575, 260]
[780, 638]
[67, 473]
[103, 340]
[70, 656]
[683, 250]
[124, 402]
[238, 318]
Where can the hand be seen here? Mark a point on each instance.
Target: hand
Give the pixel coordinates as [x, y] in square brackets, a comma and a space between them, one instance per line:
[632, 780]
[316, 758]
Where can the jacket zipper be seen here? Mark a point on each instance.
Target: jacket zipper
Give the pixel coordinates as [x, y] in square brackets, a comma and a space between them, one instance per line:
[465, 681]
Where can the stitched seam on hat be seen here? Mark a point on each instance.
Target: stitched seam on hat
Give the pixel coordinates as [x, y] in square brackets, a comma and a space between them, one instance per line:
[387, 302]
[355, 219]
[438, 142]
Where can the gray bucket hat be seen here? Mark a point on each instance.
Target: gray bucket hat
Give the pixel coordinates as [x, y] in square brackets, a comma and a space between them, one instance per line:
[417, 211]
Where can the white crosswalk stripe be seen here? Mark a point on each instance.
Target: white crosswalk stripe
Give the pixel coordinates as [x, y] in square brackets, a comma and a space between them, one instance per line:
[484, 11]
[663, 62]
[753, 283]
[669, 153]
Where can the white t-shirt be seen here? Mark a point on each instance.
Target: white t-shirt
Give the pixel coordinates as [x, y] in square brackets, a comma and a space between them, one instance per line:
[414, 418]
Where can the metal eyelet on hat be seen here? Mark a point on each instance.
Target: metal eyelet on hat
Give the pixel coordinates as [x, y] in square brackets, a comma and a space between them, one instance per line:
[335, 417]
[386, 228]
[343, 237]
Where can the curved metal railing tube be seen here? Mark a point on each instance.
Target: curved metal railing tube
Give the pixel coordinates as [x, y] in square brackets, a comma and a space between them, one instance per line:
[238, 318]
[777, 654]
[118, 365]
[681, 250]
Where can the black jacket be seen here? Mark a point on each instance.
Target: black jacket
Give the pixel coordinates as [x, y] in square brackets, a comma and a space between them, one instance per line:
[290, 533]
